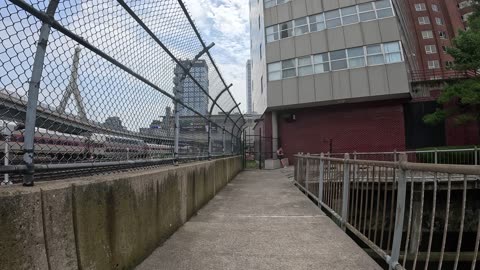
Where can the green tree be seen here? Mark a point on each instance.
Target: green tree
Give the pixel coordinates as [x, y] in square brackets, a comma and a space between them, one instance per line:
[462, 96]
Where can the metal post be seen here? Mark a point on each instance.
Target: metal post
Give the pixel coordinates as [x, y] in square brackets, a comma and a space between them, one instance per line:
[33, 89]
[476, 155]
[209, 140]
[346, 190]
[307, 169]
[436, 156]
[320, 180]
[223, 141]
[6, 179]
[260, 152]
[400, 214]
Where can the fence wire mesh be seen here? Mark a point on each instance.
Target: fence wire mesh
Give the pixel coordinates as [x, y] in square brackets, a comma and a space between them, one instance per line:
[120, 82]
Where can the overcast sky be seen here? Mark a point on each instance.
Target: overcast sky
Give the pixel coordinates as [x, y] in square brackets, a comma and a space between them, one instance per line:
[226, 23]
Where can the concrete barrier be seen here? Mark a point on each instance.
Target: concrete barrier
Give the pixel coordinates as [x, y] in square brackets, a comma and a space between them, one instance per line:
[104, 222]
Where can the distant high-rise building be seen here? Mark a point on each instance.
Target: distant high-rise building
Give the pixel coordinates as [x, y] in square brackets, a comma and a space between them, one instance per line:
[249, 86]
[191, 93]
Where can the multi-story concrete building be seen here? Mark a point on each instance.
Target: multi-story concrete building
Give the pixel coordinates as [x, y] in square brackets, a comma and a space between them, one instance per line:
[331, 75]
[249, 86]
[191, 94]
[354, 75]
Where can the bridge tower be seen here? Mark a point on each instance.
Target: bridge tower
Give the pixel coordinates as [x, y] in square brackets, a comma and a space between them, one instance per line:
[72, 88]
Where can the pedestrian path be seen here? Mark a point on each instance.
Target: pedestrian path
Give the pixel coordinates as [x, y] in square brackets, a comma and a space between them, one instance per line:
[259, 221]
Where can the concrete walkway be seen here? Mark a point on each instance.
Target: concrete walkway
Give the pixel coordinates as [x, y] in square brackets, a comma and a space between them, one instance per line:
[259, 221]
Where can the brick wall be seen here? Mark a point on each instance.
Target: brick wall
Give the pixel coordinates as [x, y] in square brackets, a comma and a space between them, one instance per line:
[352, 127]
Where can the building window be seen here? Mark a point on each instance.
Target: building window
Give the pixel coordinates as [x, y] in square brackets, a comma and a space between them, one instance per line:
[260, 51]
[338, 60]
[444, 49]
[275, 71]
[466, 15]
[442, 34]
[393, 52]
[286, 29]
[375, 55]
[439, 21]
[258, 22]
[349, 15]
[305, 66]
[430, 49]
[366, 12]
[288, 68]
[383, 8]
[464, 4]
[321, 63]
[434, 64]
[332, 18]
[449, 64]
[272, 33]
[423, 20]
[356, 57]
[435, 7]
[317, 22]
[272, 3]
[420, 7]
[301, 26]
[427, 34]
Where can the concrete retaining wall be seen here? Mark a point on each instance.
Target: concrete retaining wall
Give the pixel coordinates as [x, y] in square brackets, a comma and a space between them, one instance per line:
[107, 222]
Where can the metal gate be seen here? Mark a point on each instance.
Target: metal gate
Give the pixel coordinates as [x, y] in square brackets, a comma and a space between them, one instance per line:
[256, 149]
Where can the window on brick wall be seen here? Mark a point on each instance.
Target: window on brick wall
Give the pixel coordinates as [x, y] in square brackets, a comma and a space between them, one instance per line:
[420, 7]
[427, 34]
[429, 49]
[433, 64]
[442, 34]
[435, 7]
[423, 20]
[439, 21]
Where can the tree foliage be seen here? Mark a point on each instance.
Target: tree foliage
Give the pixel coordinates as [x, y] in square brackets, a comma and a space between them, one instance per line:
[461, 98]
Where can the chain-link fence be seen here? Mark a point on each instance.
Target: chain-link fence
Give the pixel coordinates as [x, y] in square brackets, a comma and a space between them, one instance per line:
[103, 83]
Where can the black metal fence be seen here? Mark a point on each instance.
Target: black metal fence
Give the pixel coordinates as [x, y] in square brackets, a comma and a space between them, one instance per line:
[106, 83]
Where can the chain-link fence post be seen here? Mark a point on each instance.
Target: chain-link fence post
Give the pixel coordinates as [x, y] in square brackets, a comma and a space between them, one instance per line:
[209, 140]
[177, 91]
[33, 90]
[223, 140]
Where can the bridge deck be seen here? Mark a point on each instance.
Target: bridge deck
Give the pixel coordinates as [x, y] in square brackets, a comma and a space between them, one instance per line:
[259, 221]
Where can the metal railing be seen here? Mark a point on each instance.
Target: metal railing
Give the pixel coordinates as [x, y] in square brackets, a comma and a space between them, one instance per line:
[108, 83]
[412, 215]
[460, 156]
[440, 75]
